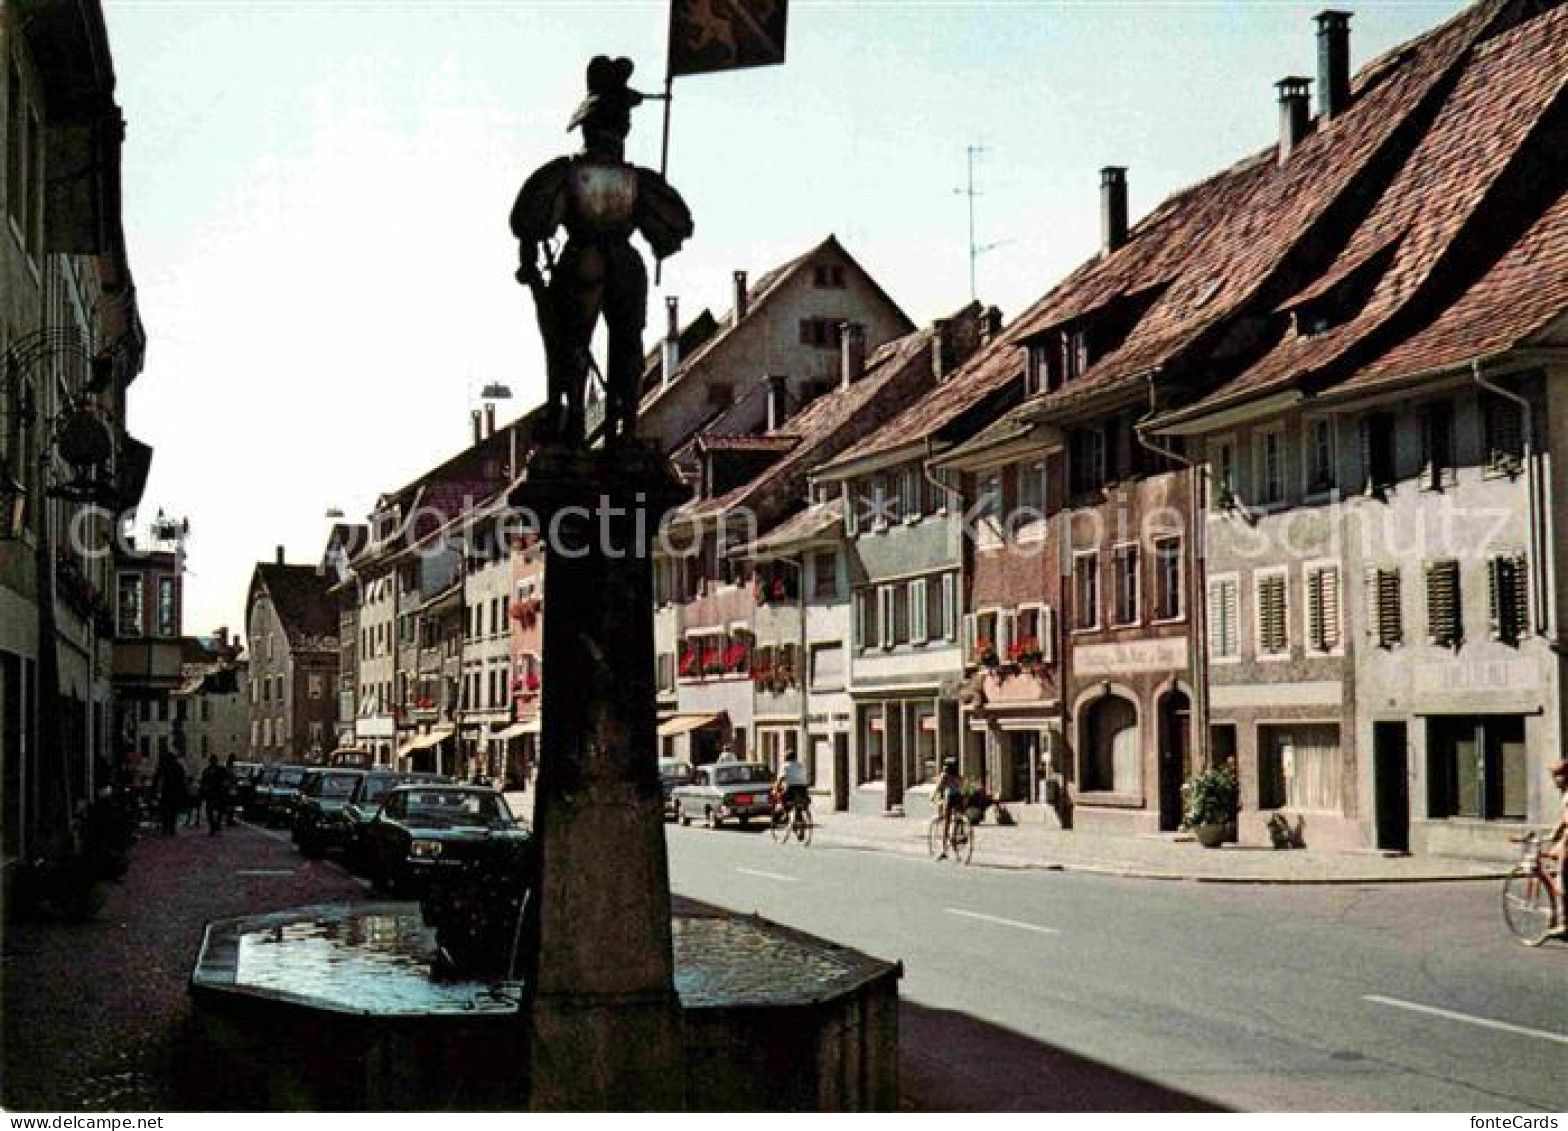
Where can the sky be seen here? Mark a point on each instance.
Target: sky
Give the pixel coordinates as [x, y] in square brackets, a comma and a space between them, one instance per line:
[316, 198]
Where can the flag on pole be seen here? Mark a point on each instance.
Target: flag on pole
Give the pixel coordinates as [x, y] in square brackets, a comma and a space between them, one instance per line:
[725, 35]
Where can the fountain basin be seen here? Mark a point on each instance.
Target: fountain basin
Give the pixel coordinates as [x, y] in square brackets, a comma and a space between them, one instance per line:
[332, 1007]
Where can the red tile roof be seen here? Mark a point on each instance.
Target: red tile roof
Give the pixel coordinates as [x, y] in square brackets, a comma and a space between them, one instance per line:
[299, 594]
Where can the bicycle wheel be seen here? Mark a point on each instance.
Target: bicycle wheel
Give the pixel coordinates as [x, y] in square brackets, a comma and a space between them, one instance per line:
[963, 838]
[779, 827]
[1527, 906]
[934, 837]
[803, 827]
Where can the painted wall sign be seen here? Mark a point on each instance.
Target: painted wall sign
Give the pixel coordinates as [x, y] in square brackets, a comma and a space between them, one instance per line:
[1135, 656]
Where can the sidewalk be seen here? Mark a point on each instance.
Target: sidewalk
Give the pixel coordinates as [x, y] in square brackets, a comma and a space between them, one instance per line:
[1170, 856]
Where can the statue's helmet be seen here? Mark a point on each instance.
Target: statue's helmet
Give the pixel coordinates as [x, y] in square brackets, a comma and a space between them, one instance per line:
[610, 100]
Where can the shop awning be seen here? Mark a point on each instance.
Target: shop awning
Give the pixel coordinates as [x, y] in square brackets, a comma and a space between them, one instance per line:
[426, 741]
[682, 724]
[517, 730]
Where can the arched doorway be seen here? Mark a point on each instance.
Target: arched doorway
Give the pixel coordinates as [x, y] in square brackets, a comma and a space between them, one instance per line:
[1175, 745]
[1110, 746]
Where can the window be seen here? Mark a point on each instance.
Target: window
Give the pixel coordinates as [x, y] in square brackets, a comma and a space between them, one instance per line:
[1320, 456]
[1110, 746]
[1030, 493]
[820, 332]
[1444, 621]
[888, 636]
[988, 511]
[1477, 767]
[1385, 613]
[942, 613]
[129, 605]
[1222, 463]
[1224, 619]
[1503, 421]
[1378, 467]
[918, 621]
[1323, 621]
[1125, 607]
[1039, 374]
[866, 635]
[168, 608]
[824, 575]
[1086, 591]
[1508, 589]
[1437, 446]
[314, 687]
[1271, 466]
[911, 492]
[827, 665]
[1167, 578]
[1086, 459]
[1299, 768]
[901, 613]
[1272, 615]
[825, 275]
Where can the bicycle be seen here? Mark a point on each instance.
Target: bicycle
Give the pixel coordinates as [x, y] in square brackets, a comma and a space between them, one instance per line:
[1529, 894]
[959, 839]
[792, 822]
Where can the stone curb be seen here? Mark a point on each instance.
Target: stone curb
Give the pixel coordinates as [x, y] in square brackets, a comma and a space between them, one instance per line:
[1019, 864]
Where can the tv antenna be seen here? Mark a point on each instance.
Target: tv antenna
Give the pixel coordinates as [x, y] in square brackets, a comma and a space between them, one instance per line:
[976, 250]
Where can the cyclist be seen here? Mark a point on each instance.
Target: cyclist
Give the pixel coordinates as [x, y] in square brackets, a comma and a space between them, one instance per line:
[793, 780]
[1557, 845]
[949, 799]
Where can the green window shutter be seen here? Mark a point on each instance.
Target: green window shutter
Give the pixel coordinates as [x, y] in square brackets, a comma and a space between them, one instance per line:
[1443, 613]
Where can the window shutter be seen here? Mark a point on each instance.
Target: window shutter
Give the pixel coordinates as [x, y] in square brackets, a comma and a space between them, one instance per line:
[1384, 610]
[949, 605]
[969, 634]
[1508, 593]
[1496, 585]
[917, 612]
[1048, 634]
[1323, 609]
[1521, 596]
[1443, 613]
[1272, 636]
[1006, 633]
[1367, 482]
[885, 615]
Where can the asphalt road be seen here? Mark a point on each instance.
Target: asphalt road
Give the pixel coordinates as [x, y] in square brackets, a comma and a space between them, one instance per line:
[1028, 989]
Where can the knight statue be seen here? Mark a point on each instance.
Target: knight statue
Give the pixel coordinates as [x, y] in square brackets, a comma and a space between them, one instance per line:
[600, 199]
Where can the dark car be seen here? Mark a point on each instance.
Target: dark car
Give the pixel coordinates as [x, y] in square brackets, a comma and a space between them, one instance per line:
[243, 785]
[369, 793]
[261, 779]
[277, 792]
[319, 819]
[725, 791]
[672, 772]
[425, 829]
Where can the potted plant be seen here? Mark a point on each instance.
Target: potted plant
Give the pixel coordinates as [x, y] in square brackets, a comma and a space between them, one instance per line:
[1210, 801]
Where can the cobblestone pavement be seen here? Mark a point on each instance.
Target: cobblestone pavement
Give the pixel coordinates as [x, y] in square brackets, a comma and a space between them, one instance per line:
[1031, 844]
[93, 1012]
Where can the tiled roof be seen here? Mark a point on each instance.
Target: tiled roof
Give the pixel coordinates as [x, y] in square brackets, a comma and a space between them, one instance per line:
[832, 421]
[770, 442]
[1232, 249]
[299, 594]
[816, 521]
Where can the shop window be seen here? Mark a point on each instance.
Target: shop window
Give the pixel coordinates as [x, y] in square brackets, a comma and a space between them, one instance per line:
[1299, 768]
[1110, 746]
[1477, 767]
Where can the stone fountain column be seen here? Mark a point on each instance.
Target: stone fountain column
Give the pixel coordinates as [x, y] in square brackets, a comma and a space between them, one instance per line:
[606, 1020]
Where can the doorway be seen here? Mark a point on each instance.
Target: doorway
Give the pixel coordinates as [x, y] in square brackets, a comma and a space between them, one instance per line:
[1391, 779]
[841, 773]
[1175, 721]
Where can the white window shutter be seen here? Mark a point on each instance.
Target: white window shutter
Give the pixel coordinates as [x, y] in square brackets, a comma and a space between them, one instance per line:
[1006, 631]
[970, 633]
[950, 604]
[1048, 633]
[917, 611]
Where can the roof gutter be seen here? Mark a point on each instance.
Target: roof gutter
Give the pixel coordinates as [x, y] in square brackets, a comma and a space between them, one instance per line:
[1197, 598]
[1536, 547]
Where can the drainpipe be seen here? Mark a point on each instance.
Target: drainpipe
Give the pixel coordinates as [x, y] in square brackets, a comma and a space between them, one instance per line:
[1532, 486]
[1197, 596]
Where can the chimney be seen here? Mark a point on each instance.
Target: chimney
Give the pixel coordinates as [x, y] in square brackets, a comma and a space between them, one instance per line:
[938, 349]
[1113, 208]
[279, 556]
[672, 338]
[1294, 114]
[990, 324]
[489, 419]
[1333, 63]
[778, 401]
[852, 353]
[742, 298]
[474, 419]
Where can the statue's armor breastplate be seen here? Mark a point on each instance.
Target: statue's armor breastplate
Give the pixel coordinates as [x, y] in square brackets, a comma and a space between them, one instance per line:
[601, 199]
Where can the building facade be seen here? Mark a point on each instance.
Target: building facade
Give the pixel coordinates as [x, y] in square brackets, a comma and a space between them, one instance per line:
[291, 627]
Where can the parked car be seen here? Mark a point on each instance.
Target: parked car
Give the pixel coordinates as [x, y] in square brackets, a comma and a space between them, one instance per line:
[424, 829]
[319, 821]
[725, 791]
[369, 793]
[243, 786]
[276, 794]
[261, 780]
[673, 772]
[351, 758]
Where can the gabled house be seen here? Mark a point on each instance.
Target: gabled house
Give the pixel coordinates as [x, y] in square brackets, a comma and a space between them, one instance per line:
[782, 326]
[1384, 624]
[291, 625]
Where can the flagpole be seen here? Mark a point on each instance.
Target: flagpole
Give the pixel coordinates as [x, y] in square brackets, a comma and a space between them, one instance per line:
[664, 159]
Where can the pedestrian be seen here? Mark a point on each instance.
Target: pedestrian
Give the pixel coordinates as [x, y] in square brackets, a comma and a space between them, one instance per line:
[727, 753]
[232, 802]
[192, 800]
[215, 794]
[170, 788]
